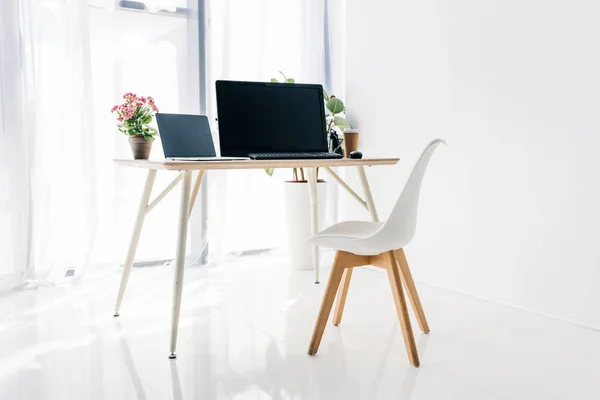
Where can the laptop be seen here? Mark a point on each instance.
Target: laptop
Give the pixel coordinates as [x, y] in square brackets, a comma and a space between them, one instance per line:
[264, 120]
[187, 138]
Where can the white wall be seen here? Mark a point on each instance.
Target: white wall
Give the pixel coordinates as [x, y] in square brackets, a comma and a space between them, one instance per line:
[510, 209]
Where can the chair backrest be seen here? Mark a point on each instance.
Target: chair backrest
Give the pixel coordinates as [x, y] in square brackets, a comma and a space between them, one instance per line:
[401, 225]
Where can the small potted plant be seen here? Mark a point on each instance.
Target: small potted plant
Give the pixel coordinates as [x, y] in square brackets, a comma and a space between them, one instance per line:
[133, 119]
[337, 124]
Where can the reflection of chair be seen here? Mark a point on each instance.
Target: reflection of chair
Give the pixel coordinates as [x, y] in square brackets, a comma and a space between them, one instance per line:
[379, 244]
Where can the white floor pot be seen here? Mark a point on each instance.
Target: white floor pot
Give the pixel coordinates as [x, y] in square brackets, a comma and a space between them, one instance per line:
[297, 207]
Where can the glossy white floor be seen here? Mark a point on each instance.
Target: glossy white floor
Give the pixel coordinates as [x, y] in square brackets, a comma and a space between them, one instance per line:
[245, 328]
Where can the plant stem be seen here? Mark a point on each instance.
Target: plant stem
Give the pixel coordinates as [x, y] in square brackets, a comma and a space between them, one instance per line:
[330, 124]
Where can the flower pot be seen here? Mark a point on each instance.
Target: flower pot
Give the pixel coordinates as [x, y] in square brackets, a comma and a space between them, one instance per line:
[140, 147]
[350, 141]
[297, 203]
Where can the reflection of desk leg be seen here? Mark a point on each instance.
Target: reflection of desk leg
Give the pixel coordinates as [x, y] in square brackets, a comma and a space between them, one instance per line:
[184, 214]
[314, 216]
[135, 237]
[343, 290]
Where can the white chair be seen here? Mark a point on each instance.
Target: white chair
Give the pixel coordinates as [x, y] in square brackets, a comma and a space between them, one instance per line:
[379, 244]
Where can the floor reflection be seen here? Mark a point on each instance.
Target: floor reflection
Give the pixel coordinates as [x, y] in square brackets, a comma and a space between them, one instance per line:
[130, 364]
[244, 334]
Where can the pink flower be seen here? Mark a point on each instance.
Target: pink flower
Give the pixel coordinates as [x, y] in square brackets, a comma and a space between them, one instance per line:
[129, 96]
[126, 112]
[132, 104]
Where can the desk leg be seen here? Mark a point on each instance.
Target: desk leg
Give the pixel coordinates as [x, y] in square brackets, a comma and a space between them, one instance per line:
[135, 237]
[314, 216]
[184, 212]
[367, 191]
[343, 290]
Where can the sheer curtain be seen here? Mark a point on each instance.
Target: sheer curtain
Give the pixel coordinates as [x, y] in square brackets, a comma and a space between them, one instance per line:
[254, 40]
[152, 54]
[156, 53]
[64, 63]
[47, 169]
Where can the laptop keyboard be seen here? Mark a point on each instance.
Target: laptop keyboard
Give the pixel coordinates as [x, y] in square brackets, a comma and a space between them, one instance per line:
[294, 156]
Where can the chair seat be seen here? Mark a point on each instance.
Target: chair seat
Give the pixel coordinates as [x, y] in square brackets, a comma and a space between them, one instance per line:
[351, 236]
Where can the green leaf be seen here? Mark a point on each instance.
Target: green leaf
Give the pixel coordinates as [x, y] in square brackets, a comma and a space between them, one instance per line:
[290, 80]
[152, 131]
[341, 123]
[335, 105]
[147, 119]
[270, 171]
[274, 80]
[149, 138]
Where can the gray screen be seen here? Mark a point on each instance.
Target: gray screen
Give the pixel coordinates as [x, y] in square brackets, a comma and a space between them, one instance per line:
[185, 135]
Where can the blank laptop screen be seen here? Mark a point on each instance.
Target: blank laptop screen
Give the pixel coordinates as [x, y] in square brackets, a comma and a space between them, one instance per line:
[257, 117]
[185, 135]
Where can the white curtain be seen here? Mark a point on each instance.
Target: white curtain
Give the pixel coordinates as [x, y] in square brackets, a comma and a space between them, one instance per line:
[151, 54]
[47, 154]
[63, 203]
[15, 209]
[254, 40]
[64, 63]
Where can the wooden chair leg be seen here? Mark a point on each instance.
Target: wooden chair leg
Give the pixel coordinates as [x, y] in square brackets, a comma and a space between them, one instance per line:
[409, 285]
[340, 301]
[337, 270]
[401, 308]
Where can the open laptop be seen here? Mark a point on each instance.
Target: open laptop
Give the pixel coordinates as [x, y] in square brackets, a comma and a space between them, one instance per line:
[264, 120]
[187, 138]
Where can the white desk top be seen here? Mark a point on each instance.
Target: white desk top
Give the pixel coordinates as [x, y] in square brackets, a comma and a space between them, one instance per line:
[254, 164]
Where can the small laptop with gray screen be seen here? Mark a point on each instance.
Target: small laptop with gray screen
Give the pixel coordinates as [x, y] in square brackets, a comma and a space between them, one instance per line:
[187, 138]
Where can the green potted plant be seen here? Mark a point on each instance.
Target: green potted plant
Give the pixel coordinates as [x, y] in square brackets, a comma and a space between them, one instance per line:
[133, 118]
[338, 124]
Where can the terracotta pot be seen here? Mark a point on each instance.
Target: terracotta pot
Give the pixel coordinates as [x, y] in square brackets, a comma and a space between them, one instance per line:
[140, 147]
[350, 141]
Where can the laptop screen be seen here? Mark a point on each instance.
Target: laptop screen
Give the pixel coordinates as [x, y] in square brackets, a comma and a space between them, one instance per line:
[258, 117]
[185, 135]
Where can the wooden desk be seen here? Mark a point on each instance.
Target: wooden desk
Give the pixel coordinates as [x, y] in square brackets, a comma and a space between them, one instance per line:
[253, 164]
[188, 198]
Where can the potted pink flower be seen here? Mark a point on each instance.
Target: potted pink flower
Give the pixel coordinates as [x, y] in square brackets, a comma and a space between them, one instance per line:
[133, 119]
